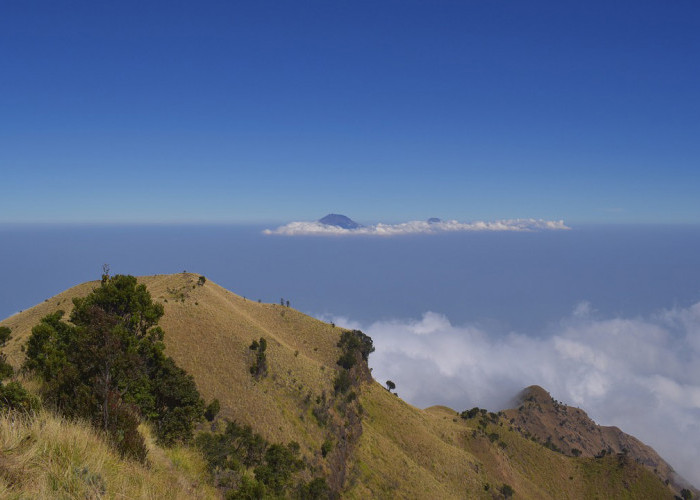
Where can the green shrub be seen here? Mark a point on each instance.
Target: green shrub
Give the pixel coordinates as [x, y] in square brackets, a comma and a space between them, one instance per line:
[326, 447]
[259, 367]
[249, 489]
[12, 395]
[347, 360]
[467, 414]
[15, 397]
[212, 410]
[342, 382]
[507, 491]
[315, 489]
[122, 429]
[280, 463]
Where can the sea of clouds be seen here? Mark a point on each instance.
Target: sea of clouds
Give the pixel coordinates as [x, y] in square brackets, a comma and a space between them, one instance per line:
[416, 227]
[641, 374]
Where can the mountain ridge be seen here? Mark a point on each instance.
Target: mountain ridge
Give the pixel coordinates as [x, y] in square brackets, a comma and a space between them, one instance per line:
[208, 331]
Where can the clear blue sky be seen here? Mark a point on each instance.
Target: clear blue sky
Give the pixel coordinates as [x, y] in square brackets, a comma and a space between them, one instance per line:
[384, 110]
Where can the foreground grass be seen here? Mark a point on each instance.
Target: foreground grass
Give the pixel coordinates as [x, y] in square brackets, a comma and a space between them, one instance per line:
[44, 456]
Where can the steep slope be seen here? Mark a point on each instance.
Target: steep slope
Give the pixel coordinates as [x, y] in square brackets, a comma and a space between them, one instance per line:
[380, 446]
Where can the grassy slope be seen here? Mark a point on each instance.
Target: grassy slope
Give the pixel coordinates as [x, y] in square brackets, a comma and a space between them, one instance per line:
[46, 457]
[432, 453]
[403, 451]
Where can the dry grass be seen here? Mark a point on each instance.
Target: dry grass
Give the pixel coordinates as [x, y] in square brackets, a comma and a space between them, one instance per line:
[47, 457]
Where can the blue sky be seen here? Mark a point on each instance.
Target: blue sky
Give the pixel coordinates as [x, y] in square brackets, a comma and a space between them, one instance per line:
[393, 110]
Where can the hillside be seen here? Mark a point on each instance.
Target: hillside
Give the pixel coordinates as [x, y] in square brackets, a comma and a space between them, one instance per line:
[380, 446]
[570, 431]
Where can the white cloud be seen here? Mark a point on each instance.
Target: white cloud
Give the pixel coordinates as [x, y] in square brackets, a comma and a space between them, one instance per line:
[416, 227]
[640, 374]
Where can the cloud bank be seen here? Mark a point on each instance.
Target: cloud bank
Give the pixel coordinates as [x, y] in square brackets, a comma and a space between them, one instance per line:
[640, 374]
[416, 227]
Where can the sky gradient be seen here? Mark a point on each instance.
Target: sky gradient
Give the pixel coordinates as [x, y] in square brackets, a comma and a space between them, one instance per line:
[386, 111]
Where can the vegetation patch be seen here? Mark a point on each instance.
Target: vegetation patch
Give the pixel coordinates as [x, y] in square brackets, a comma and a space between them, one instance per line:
[245, 465]
[259, 367]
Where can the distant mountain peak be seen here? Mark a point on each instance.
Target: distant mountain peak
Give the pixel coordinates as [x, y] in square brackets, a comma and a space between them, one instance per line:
[339, 221]
[434, 220]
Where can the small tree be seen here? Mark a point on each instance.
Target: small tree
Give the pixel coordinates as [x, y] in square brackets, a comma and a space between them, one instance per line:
[201, 280]
[390, 385]
[686, 494]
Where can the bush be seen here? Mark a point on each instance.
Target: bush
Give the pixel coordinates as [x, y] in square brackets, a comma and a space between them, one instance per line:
[507, 491]
[326, 447]
[15, 397]
[342, 382]
[212, 410]
[5, 335]
[347, 360]
[259, 367]
[249, 489]
[12, 395]
[280, 463]
[237, 447]
[6, 370]
[321, 415]
[316, 489]
[122, 430]
[467, 414]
